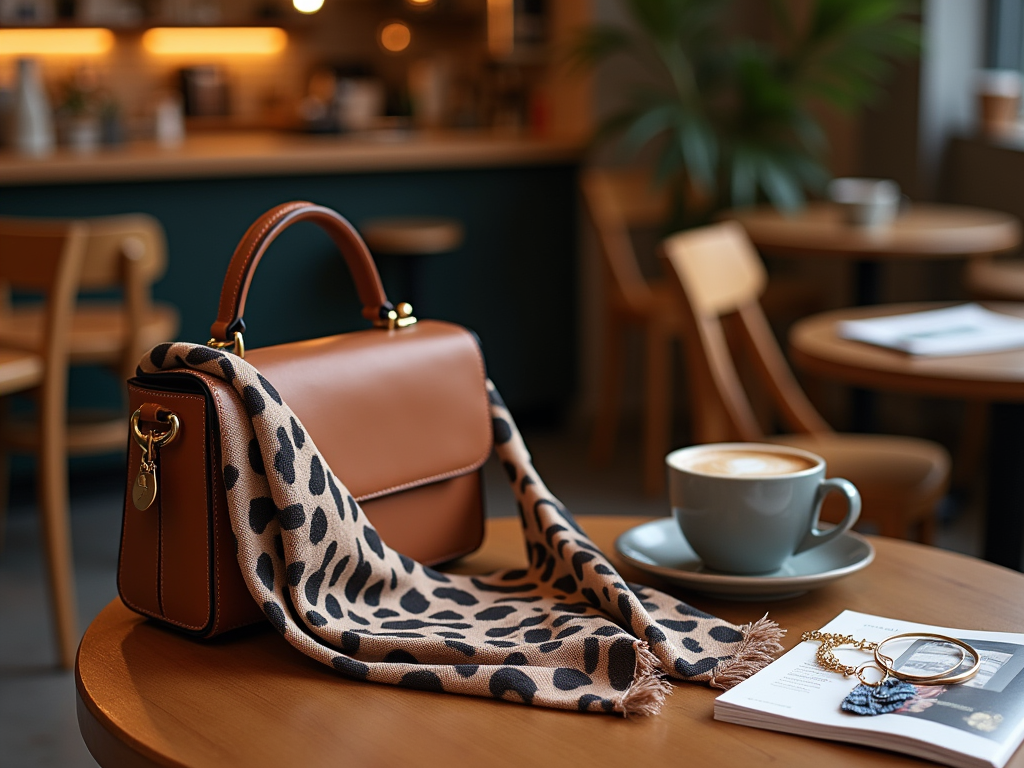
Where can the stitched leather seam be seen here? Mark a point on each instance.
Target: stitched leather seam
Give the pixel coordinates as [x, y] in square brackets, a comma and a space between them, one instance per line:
[159, 546]
[475, 464]
[131, 447]
[281, 213]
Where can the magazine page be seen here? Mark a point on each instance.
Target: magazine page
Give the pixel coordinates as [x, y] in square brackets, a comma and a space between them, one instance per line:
[961, 330]
[979, 722]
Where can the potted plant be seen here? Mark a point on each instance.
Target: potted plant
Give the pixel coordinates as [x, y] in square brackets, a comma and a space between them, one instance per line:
[731, 115]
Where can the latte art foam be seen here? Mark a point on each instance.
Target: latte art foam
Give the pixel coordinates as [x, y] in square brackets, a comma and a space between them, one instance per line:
[738, 463]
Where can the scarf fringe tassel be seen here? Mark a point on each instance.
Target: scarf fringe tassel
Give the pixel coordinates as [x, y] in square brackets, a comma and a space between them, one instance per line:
[759, 647]
[646, 696]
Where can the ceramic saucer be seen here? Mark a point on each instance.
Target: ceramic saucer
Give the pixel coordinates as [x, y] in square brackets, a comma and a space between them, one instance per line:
[659, 548]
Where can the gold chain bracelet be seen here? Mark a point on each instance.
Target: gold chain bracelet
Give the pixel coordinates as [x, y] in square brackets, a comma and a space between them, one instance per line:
[830, 641]
[826, 659]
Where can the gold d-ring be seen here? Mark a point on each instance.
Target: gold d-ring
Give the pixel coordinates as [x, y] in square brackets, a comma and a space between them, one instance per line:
[162, 439]
[889, 665]
[237, 343]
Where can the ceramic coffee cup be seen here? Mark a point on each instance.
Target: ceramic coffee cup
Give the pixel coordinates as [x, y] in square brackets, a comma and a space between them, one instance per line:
[870, 203]
[747, 507]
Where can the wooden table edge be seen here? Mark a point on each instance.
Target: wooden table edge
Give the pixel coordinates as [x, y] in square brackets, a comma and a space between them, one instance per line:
[1000, 231]
[105, 746]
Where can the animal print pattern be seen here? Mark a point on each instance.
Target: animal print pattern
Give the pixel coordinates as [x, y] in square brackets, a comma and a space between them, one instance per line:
[564, 632]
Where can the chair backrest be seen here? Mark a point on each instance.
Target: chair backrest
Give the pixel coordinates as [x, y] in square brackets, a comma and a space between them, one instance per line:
[721, 275]
[126, 252]
[49, 264]
[115, 246]
[616, 202]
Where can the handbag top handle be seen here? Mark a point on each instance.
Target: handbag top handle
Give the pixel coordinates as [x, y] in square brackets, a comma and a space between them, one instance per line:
[258, 238]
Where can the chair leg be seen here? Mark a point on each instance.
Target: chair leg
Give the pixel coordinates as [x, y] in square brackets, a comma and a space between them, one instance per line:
[926, 529]
[657, 408]
[56, 529]
[973, 443]
[602, 443]
[892, 525]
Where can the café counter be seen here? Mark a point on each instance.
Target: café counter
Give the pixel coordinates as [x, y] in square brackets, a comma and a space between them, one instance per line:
[513, 280]
[256, 153]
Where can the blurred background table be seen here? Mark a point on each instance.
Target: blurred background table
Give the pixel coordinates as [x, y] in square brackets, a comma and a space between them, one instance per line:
[998, 377]
[150, 697]
[923, 231]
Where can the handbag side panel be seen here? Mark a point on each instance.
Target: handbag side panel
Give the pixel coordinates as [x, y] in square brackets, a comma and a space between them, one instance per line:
[178, 560]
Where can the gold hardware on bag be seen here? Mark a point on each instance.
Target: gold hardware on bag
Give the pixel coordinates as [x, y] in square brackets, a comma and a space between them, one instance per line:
[144, 490]
[237, 343]
[399, 317]
[145, 487]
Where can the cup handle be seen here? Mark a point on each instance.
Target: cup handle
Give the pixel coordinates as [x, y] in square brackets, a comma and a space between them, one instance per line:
[816, 536]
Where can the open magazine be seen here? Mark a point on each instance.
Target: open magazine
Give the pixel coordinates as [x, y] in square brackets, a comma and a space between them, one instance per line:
[961, 330]
[976, 723]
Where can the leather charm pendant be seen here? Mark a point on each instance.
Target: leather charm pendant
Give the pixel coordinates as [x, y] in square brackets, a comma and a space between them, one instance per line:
[878, 700]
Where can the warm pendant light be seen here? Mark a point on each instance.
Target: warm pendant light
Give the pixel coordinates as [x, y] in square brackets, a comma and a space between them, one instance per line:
[185, 41]
[394, 36]
[55, 42]
[308, 6]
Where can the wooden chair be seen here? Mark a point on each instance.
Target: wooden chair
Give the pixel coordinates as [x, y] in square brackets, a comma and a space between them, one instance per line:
[122, 254]
[618, 202]
[900, 479]
[51, 266]
[126, 254]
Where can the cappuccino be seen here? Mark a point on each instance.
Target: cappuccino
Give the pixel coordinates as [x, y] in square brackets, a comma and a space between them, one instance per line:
[745, 463]
[746, 508]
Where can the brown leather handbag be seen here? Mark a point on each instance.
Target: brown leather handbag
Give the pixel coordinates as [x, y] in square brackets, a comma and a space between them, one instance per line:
[399, 411]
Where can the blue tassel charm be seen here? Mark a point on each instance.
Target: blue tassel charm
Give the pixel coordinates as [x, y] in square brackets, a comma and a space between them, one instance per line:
[880, 699]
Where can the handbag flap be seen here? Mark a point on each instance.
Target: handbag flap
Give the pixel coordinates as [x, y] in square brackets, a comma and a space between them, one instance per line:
[388, 410]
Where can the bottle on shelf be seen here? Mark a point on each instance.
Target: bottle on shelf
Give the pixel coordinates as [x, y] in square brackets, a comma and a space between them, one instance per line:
[33, 132]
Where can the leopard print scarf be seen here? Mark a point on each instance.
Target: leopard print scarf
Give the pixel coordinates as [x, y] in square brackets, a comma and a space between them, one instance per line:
[564, 632]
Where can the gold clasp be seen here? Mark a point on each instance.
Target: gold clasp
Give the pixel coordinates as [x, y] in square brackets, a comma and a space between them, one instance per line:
[399, 317]
[145, 487]
[237, 343]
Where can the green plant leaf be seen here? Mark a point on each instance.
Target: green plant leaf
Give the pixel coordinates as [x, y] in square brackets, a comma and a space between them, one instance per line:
[743, 185]
[699, 149]
[648, 124]
[728, 110]
[779, 184]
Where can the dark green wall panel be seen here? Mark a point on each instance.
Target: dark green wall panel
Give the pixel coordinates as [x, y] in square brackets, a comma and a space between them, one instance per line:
[513, 280]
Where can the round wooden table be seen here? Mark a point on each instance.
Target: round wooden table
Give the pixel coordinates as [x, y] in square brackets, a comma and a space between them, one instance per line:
[998, 377]
[923, 231]
[148, 696]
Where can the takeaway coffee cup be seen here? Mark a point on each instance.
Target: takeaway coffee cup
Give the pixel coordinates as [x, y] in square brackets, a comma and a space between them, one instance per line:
[999, 92]
[747, 507]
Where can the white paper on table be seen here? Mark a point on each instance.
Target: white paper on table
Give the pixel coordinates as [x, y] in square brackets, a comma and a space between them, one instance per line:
[962, 330]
